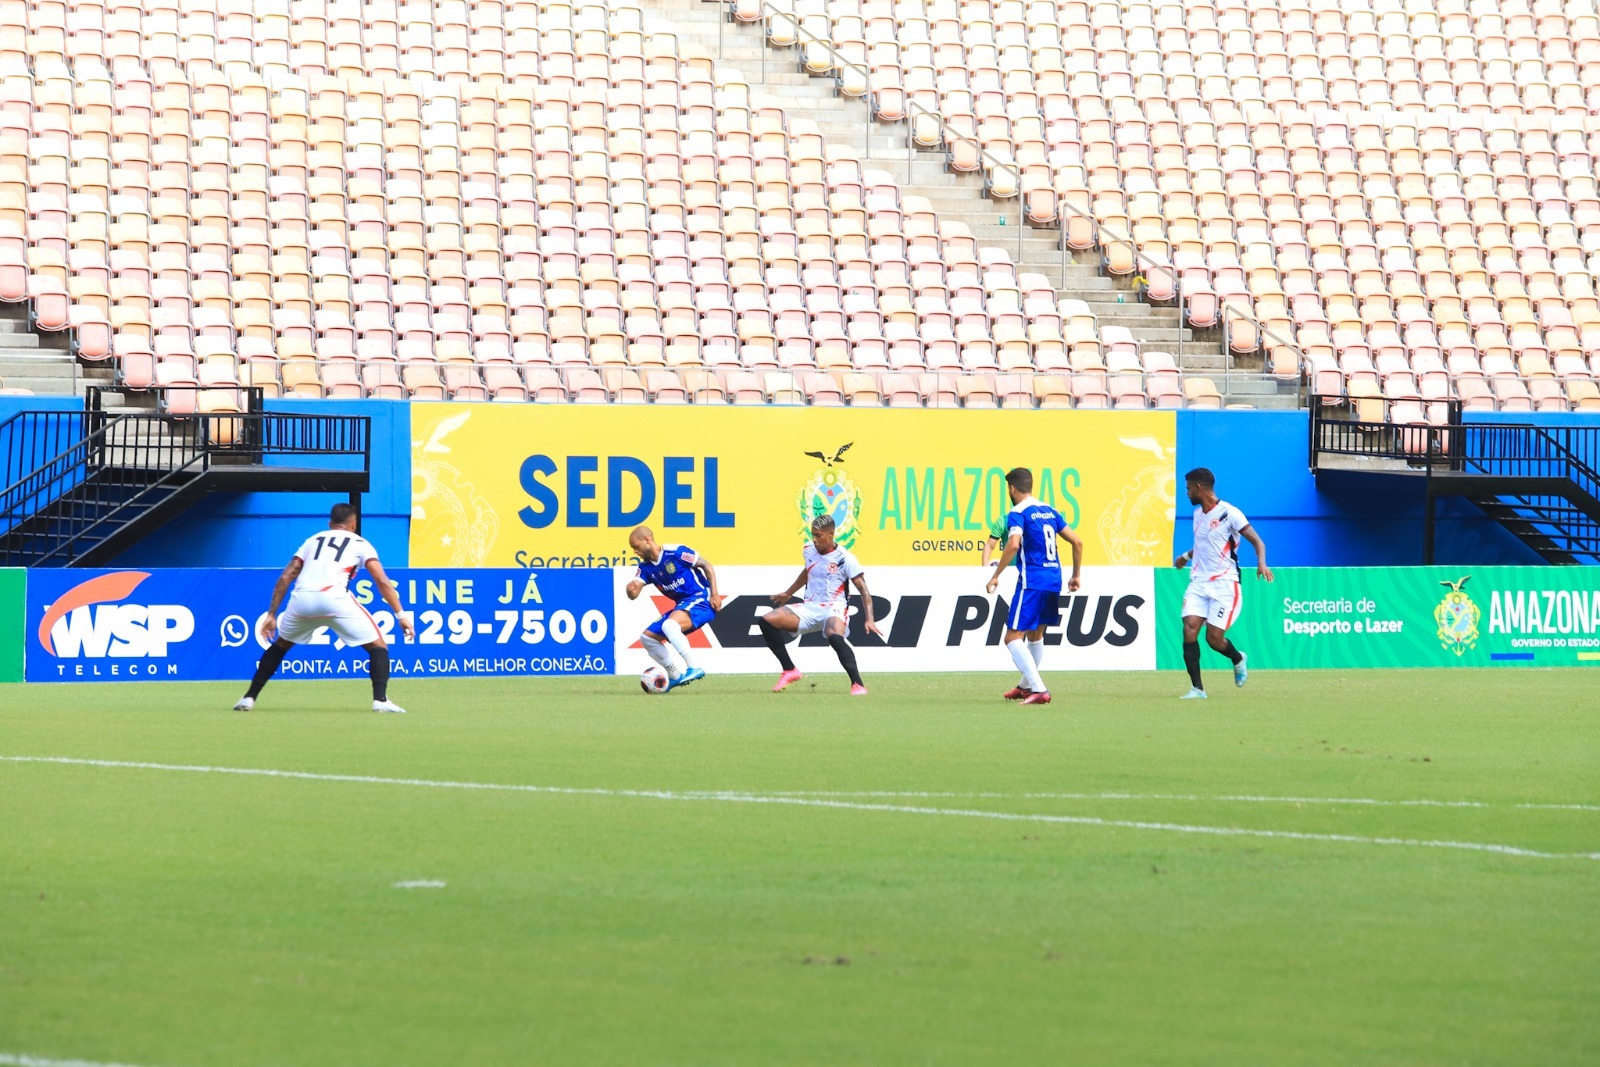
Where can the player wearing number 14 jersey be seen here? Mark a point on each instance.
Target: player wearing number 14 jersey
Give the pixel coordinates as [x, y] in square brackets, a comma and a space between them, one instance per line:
[1033, 530]
[321, 571]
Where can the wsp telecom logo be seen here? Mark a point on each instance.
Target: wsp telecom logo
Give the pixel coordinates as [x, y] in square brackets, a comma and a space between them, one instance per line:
[90, 621]
[1457, 617]
[830, 491]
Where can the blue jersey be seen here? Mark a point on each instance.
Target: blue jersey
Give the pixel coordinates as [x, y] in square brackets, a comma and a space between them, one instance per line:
[676, 574]
[1038, 562]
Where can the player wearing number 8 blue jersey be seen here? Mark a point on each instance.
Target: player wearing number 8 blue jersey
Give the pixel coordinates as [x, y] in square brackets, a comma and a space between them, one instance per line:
[1033, 531]
[690, 582]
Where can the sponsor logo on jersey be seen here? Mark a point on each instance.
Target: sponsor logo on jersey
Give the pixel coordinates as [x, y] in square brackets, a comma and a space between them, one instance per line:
[830, 491]
[91, 621]
[1457, 618]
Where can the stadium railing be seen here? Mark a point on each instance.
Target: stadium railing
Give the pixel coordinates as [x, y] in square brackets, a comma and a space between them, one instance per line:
[95, 470]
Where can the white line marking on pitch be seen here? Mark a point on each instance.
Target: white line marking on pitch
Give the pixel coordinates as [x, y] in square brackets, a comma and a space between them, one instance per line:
[421, 883]
[1242, 799]
[9, 1059]
[816, 802]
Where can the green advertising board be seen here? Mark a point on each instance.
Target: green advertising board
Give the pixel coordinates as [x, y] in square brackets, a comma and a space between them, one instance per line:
[13, 609]
[1403, 617]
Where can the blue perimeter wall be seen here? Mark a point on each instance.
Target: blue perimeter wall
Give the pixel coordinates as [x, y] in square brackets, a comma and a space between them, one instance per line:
[1259, 458]
[264, 529]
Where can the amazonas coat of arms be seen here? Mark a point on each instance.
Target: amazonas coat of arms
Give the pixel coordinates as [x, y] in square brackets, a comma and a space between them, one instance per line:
[830, 491]
[1457, 617]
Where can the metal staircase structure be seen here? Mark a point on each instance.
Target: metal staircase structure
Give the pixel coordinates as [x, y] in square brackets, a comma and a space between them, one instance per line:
[1540, 482]
[80, 487]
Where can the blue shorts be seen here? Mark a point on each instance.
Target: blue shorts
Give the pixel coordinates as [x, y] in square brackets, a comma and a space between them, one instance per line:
[1033, 608]
[699, 611]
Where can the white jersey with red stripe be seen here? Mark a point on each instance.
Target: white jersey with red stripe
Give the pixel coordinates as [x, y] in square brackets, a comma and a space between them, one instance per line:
[321, 595]
[328, 560]
[828, 577]
[1216, 543]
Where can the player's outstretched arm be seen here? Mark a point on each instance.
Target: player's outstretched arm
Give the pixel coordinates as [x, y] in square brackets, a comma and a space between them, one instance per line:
[704, 566]
[1013, 546]
[634, 588]
[860, 582]
[1183, 560]
[1262, 570]
[787, 595]
[989, 546]
[391, 596]
[1077, 558]
[291, 571]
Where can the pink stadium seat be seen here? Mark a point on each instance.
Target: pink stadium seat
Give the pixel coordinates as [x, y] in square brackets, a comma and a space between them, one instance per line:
[251, 176]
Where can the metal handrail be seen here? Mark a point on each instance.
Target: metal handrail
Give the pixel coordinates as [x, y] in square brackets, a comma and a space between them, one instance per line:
[1101, 231]
[1491, 449]
[160, 464]
[938, 387]
[111, 518]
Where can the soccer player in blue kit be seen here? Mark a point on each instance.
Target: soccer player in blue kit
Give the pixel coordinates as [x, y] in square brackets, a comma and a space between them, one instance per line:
[691, 582]
[1032, 531]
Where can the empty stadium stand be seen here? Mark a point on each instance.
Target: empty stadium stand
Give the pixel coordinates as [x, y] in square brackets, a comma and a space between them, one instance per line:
[545, 200]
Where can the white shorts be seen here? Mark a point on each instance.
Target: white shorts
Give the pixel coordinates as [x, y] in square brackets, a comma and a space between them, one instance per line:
[336, 609]
[1216, 601]
[813, 616]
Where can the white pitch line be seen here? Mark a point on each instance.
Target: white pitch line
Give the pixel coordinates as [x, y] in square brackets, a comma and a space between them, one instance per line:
[1242, 799]
[11, 1059]
[818, 802]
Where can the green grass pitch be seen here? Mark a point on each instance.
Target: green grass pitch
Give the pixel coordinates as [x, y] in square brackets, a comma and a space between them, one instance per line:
[739, 878]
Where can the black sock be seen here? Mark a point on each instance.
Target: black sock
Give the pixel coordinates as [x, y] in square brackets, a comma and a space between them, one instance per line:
[1191, 659]
[1231, 652]
[847, 657]
[774, 639]
[269, 664]
[380, 671]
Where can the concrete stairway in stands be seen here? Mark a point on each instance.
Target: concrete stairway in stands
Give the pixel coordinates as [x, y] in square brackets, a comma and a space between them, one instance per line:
[37, 361]
[777, 80]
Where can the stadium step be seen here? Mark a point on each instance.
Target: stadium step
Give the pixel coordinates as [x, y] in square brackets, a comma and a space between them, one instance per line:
[36, 361]
[42, 373]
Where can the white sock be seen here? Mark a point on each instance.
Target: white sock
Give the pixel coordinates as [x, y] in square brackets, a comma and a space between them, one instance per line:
[674, 634]
[661, 654]
[1025, 664]
[1036, 650]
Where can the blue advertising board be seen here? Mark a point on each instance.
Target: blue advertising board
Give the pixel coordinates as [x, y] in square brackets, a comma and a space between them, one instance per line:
[205, 624]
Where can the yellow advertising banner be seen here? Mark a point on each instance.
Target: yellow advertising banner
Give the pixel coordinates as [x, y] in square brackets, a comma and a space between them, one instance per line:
[534, 485]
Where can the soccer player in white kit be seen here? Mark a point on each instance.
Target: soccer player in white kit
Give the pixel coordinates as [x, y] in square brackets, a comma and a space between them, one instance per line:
[320, 572]
[827, 574]
[1212, 599]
